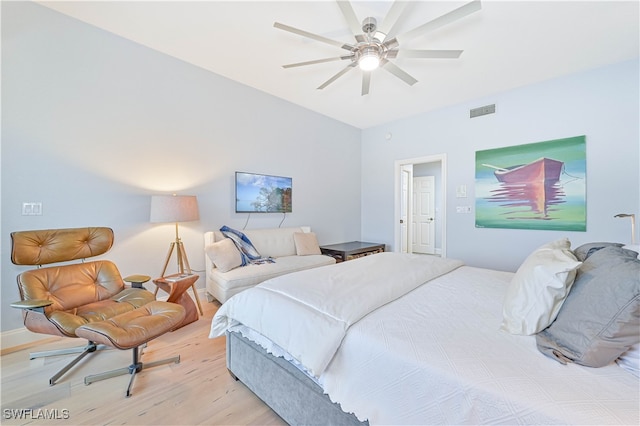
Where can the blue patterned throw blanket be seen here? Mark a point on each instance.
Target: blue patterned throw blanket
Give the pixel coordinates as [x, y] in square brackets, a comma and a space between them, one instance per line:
[247, 250]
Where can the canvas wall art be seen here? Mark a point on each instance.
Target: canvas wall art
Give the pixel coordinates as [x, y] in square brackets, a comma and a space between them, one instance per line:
[539, 185]
[257, 193]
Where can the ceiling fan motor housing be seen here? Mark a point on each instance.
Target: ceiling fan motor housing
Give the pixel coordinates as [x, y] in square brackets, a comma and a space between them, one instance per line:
[369, 25]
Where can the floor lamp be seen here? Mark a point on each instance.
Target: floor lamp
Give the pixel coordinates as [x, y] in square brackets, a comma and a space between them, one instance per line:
[176, 208]
[633, 225]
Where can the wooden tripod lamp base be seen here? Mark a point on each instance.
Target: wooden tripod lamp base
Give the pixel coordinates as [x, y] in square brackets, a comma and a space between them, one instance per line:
[183, 267]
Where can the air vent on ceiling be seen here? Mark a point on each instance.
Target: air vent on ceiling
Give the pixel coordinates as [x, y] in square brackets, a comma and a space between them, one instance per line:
[483, 110]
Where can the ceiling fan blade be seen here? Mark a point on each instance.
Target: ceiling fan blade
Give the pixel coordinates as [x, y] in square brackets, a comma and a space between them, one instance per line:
[317, 61]
[313, 36]
[398, 8]
[391, 43]
[366, 82]
[395, 70]
[350, 16]
[338, 75]
[410, 53]
[445, 19]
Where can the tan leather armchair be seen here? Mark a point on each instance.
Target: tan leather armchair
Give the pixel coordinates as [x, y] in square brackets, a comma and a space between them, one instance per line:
[57, 300]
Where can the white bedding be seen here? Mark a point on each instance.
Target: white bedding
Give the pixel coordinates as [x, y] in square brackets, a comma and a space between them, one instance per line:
[448, 363]
[330, 299]
[437, 356]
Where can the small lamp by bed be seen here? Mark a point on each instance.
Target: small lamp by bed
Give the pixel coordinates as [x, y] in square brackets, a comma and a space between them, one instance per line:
[633, 225]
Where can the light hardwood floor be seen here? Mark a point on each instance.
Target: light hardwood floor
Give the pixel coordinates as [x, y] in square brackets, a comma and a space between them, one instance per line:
[197, 391]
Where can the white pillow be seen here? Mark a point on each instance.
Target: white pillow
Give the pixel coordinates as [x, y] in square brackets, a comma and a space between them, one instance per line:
[224, 254]
[306, 243]
[539, 288]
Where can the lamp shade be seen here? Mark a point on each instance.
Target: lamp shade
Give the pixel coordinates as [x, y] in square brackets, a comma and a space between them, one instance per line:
[174, 208]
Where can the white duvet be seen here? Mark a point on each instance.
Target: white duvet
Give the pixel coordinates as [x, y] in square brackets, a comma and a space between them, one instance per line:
[330, 299]
[437, 356]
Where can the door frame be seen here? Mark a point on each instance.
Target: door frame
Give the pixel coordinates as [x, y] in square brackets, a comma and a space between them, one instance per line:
[406, 203]
[398, 164]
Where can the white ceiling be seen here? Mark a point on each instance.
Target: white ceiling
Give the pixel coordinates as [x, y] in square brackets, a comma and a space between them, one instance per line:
[506, 44]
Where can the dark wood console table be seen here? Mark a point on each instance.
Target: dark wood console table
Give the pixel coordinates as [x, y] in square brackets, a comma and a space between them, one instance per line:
[351, 250]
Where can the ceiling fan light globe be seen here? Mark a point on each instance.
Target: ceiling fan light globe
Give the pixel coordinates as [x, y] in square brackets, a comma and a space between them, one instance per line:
[369, 61]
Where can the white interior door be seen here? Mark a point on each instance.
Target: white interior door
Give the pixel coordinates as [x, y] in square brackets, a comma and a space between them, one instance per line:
[423, 215]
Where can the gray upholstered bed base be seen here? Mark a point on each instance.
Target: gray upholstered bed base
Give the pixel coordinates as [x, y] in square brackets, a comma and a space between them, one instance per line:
[291, 394]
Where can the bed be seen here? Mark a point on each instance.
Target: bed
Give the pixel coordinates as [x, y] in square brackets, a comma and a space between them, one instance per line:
[408, 339]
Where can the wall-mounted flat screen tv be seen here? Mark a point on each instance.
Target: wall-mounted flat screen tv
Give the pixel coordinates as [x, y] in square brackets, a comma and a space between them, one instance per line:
[256, 193]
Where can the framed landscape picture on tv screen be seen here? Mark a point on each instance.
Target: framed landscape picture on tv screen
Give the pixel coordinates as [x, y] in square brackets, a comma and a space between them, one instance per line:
[257, 193]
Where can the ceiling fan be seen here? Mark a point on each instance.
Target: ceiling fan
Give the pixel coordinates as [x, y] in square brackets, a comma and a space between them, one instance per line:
[374, 48]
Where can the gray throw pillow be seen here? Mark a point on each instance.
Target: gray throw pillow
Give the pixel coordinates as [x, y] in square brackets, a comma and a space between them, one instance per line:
[588, 249]
[600, 318]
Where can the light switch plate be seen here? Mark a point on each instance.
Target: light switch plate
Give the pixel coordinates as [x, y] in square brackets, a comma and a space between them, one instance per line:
[32, 209]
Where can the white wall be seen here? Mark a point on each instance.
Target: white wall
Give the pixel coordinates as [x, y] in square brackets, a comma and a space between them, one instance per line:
[93, 125]
[601, 104]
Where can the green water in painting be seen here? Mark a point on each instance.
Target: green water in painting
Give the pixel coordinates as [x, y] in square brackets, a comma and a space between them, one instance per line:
[558, 206]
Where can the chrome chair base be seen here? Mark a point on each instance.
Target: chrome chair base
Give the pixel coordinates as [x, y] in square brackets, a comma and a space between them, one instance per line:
[135, 367]
[83, 351]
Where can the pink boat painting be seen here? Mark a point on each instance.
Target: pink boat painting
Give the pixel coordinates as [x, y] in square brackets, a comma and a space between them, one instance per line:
[541, 170]
[540, 185]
